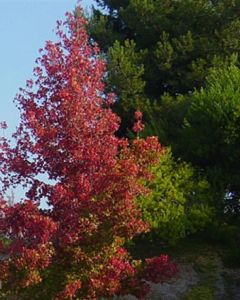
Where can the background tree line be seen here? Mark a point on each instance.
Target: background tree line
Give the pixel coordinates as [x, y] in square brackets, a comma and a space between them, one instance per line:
[178, 62]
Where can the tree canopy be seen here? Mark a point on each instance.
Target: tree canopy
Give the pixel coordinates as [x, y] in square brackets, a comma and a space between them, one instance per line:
[160, 55]
[73, 249]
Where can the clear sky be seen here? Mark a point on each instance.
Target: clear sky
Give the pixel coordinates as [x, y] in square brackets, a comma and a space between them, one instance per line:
[24, 27]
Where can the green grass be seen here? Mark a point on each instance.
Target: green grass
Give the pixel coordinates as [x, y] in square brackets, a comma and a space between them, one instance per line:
[200, 293]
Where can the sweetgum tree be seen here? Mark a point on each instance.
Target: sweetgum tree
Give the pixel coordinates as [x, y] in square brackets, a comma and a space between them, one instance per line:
[73, 249]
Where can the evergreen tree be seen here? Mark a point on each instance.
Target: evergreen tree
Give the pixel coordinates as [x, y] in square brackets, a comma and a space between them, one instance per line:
[210, 135]
[157, 47]
[159, 53]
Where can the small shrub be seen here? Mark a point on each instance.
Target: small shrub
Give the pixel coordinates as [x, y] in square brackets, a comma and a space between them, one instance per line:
[179, 202]
[159, 269]
[156, 269]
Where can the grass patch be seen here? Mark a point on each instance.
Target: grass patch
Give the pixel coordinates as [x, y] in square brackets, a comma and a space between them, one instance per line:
[200, 293]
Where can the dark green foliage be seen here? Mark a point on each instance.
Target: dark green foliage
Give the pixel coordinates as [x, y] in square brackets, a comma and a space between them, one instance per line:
[170, 115]
[126, 80]
[159, 55]
[210, 137]
[163, 46]
[179, 200]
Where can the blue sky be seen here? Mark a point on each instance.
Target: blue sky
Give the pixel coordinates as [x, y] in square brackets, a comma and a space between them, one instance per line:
[24, 27]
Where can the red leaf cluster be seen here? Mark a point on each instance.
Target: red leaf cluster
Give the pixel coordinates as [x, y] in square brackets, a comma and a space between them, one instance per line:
[156, 269]
[138, 125]
[159, 269]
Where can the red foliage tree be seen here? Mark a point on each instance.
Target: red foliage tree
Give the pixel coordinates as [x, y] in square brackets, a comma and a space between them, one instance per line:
[67, 132]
